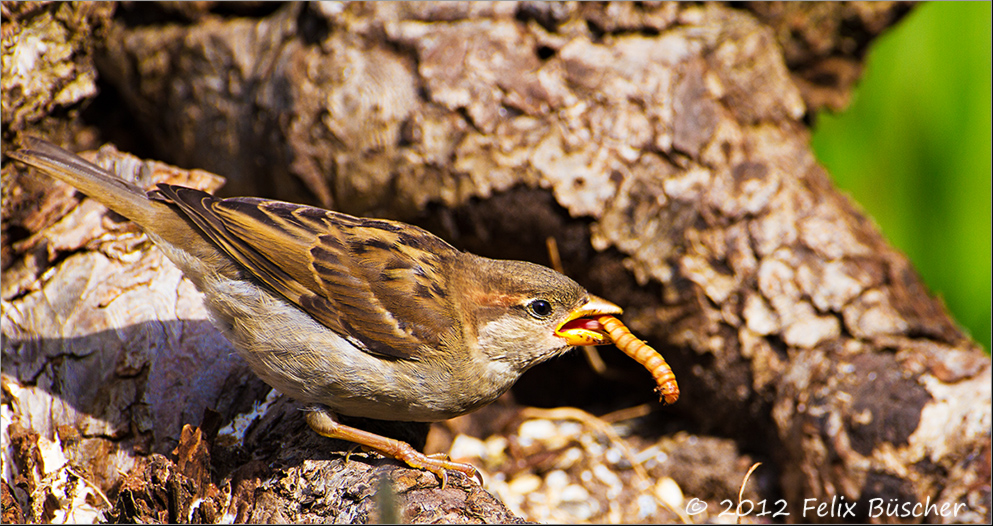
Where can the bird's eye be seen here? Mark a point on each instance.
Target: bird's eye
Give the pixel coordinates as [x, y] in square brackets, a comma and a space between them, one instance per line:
[539, 308]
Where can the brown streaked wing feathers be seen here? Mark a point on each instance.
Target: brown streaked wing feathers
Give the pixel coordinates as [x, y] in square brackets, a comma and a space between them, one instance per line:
[359, 277]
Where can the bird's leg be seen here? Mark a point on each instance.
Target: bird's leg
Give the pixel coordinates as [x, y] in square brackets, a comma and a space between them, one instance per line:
[324, 423]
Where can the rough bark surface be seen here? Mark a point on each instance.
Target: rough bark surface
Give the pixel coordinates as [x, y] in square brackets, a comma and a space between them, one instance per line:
[662, 145]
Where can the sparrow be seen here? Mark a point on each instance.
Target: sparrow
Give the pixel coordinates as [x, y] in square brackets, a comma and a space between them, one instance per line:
[352, 316]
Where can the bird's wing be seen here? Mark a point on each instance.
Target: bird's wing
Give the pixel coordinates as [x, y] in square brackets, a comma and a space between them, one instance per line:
[379, 283]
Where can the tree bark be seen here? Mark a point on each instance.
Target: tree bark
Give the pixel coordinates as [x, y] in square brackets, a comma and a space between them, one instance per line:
[664, 146]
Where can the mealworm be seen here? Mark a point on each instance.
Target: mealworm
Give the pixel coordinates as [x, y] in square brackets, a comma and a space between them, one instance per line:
[645, 355]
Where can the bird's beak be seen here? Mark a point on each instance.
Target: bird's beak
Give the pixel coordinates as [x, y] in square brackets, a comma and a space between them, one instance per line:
[581, 326]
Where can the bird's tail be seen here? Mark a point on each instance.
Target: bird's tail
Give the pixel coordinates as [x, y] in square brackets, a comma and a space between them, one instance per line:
[163, 221]
[117, 194]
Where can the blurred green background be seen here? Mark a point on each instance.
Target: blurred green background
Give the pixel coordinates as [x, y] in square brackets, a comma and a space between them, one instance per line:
[914, 148]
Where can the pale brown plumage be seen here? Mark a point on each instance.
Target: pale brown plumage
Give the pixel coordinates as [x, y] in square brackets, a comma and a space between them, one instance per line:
[363, 317]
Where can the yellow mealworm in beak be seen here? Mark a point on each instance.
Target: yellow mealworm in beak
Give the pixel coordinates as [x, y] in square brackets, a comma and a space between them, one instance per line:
[642, 353]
